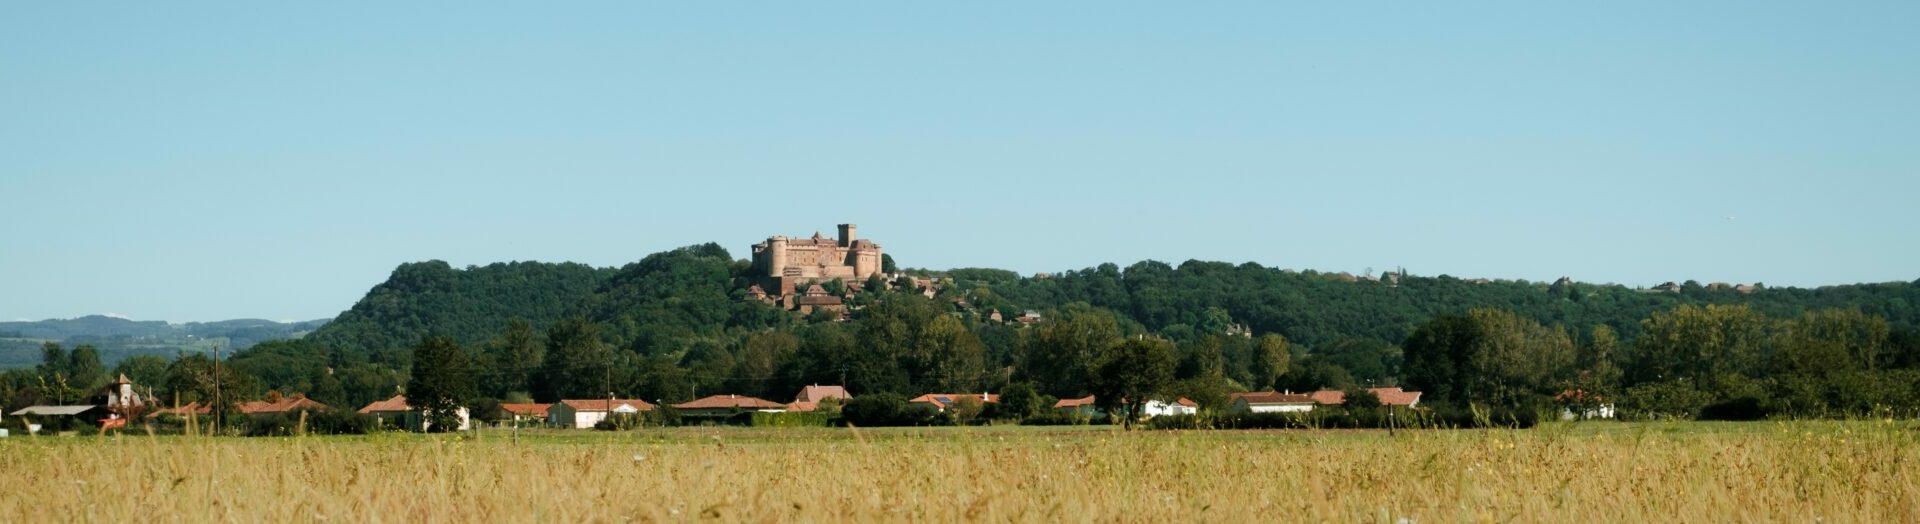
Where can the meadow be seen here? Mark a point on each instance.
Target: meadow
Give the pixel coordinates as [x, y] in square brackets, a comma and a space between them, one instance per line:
[1858, 471]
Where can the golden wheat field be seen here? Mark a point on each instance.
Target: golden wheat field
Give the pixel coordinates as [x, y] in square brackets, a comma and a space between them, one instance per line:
[1799, 472]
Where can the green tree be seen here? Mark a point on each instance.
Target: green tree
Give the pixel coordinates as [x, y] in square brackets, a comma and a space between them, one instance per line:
[1714, 347]
[144, 370]
[54, 361]
[517, 356]
[1271, 359]
[441, 382]
[577, 362]
[1133, 373]
[1068, 347]
[1019, 401]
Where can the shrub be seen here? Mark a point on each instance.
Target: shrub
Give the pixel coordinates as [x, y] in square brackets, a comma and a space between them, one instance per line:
[884, 409]
[1743, 408]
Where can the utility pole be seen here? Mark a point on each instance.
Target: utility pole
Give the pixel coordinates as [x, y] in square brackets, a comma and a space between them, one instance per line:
[216, 388]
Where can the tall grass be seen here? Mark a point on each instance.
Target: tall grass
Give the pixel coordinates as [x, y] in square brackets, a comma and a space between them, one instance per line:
[1833, 472]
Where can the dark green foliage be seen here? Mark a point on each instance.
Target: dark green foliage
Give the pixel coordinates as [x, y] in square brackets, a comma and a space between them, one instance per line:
[1131, 374]
[577, 362]
[469, 305]
[442, 382]
[1743, 408]
[1020, 400]
[883, 410]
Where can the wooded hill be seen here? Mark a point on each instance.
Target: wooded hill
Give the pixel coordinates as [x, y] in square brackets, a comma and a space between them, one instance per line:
[678, 325]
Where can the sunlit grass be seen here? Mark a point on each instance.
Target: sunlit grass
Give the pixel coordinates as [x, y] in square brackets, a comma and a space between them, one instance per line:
[1764, 471]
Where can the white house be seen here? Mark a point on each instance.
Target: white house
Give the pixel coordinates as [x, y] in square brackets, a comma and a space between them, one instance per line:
[1271, 402]
[585, 413]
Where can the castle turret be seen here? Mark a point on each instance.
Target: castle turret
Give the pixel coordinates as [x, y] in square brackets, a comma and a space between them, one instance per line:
[777, 256]
[847, 232]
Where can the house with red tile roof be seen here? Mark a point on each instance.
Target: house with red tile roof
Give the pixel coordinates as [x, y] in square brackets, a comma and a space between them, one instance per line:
[724, 406]
[939, 402]
[192, 408]
[1271, 402]
[397, 413]
[1388, 397]
[526, 411]
[585, 413]
[275, 404]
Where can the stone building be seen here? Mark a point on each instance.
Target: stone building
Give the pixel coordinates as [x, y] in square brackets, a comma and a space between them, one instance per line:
[784, 264]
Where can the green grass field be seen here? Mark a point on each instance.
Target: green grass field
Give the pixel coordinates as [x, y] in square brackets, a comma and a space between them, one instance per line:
[1765, 471]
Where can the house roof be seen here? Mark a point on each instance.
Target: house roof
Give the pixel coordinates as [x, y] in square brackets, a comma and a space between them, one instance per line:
[803, 407]
[818, 393]
[1387, 396]
[526, 409]
[730, 402]
[285, 404]
[945, 399]
[601, 404]
[1184, 401]
[191, 407]
[1271, 397]
[1068, 403]
[53, 410]
[396, 404]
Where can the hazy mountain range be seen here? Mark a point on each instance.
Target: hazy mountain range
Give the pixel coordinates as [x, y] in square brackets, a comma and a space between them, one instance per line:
[118, 338]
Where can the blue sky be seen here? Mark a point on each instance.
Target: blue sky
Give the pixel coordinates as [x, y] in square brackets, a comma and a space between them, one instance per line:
[202, 161]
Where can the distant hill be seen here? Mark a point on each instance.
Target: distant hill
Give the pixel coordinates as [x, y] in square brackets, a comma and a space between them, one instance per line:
[119, 338]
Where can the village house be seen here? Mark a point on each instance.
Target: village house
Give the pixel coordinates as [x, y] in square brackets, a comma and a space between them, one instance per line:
[1395, 397]
[817, 298]
[525, 412]
[275, 404]
[397, 413]
[810, 397]
[1085, 407]
[1271, 402]
[585, 413]
[939, 402]
[727, 406]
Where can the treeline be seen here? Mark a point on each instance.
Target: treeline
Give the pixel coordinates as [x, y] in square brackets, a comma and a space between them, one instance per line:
[678, 325]
[1719, 362]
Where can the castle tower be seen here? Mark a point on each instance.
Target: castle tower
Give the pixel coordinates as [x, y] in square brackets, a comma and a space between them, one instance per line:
[847, 232]
[777, 256]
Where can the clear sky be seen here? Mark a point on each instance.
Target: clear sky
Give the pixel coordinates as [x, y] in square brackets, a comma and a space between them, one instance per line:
[202, 161]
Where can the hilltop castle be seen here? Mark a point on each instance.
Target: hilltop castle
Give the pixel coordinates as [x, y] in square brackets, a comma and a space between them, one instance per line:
[782, 264]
